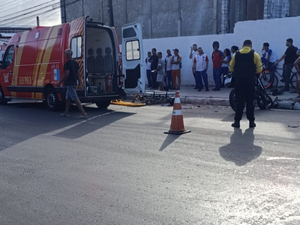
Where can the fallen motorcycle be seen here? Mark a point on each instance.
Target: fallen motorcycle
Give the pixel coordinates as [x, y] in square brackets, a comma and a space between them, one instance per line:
[262, 99]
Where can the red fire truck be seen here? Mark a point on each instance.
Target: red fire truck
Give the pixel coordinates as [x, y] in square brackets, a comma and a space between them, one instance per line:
[33, 63]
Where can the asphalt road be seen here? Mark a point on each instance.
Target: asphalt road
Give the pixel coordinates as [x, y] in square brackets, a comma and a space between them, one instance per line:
[118, 167]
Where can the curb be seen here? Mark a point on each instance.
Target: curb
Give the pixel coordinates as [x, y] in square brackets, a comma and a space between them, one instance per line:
[205, 101]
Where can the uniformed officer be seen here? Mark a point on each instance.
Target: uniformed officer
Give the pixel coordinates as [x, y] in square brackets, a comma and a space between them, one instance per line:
[245, 64]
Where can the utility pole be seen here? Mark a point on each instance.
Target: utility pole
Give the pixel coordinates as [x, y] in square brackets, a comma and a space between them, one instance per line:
[179, 20]
[63, 11]
[37, 21]
[111, 13]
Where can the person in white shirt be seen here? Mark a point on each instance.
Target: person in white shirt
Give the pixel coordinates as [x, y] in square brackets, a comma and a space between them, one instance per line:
[176, 61]
[160, 72]
[268, 57]
[168, 69]
[225, 65]
[148, 69]
[200, 67]
[193, 53]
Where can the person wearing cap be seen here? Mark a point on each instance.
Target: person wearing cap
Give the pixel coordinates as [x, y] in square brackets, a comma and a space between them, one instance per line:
[193, 53]
[217, 58]
[245, 64]
[176, 61]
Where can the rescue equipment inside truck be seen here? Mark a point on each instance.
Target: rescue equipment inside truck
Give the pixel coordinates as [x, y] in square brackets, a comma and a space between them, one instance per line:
[100, 61]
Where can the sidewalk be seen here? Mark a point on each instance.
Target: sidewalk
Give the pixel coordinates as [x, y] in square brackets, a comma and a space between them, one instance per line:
[189, 95]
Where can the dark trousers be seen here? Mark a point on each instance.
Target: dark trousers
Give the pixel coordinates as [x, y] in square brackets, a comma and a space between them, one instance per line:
[154, 83]
[199, 76]
[149, 77]
[194, 74]
[270, 67]
[245, 93]
[169, 79]
[287, 73]
[217, 76]
[224, 72]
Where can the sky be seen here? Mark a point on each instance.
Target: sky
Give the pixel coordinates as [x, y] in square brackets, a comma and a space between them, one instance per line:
[24, 12]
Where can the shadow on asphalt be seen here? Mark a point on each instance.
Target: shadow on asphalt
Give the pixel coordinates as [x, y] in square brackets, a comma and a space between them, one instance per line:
[241, 149]
[92, 124]
[257, 111]
[169, 140]
[22, 121]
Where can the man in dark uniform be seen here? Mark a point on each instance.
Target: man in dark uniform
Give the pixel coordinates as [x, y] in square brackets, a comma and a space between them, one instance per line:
[245, 64]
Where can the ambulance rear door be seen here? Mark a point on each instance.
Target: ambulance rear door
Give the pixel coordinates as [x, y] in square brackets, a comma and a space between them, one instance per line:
[134, 70]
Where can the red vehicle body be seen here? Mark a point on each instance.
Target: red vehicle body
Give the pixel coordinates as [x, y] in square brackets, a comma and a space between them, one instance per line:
[33, 63]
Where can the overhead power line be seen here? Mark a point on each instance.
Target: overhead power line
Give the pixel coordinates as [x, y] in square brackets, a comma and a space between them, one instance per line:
[24, 14]
[35, 13]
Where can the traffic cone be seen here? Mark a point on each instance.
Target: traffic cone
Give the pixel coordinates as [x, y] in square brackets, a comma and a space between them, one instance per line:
[177, 126]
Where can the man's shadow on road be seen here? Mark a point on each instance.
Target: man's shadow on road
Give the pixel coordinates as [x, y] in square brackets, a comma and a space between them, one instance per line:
[241, 149]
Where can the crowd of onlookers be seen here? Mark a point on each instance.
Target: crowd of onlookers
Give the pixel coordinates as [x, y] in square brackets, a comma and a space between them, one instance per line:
[165, 73]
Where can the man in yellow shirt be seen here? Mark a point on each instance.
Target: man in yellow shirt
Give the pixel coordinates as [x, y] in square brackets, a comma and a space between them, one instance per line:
[245, 64]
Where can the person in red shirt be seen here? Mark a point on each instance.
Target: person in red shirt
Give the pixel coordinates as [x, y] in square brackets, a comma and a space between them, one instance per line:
[217, 58]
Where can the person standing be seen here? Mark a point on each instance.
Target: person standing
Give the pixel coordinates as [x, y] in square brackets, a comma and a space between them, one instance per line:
[234, 49]
[245, 64]
[176, 61]
[268, 57]
[70, 79]
[160, 72]
[289, 57]
[168, 69]
[148, 69]
[154, 63]
[225, 65]
[217, 57]
[200, 68]
[193, 53]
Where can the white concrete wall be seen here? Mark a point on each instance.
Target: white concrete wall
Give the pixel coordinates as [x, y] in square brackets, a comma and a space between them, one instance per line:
[274, 31]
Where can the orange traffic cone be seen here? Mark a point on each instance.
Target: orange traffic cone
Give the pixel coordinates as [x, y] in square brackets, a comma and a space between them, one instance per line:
[177, 126]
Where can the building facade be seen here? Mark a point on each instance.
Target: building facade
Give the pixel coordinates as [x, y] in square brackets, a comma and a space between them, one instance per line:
[177, 17]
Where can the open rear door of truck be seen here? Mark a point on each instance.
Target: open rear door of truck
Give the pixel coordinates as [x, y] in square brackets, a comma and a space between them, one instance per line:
[134, 70]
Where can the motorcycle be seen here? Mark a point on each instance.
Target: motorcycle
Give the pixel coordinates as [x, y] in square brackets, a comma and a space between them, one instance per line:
[262, 98]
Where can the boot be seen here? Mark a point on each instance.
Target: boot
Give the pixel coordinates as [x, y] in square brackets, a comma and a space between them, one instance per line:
[252, 124]
[236, 124]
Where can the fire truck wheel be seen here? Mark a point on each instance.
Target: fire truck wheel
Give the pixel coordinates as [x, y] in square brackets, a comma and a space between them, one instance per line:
[103, 104]
[3, 101]
[51, 99]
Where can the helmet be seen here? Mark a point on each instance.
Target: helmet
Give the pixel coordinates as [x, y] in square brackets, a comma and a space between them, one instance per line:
[227, 81]
[216, 43]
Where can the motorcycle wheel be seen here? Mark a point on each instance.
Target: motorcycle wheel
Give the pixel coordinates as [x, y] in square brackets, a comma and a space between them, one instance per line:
[264, 101]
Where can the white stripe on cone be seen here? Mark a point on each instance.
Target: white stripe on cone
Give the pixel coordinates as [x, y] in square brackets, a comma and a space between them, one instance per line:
[177, 113]
[177, 100]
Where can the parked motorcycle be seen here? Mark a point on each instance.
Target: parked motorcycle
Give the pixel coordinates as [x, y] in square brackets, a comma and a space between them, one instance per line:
[262, 99]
